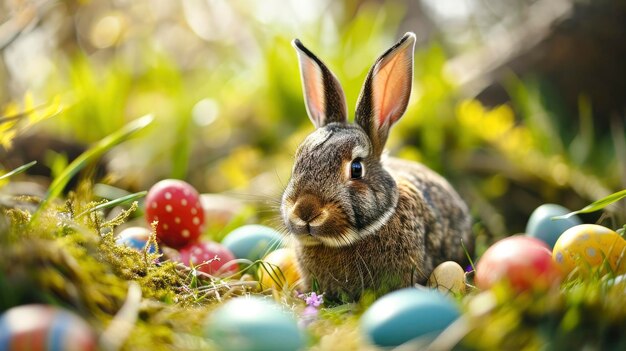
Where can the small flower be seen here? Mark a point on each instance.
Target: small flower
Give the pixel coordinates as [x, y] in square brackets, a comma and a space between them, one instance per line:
[314, 300]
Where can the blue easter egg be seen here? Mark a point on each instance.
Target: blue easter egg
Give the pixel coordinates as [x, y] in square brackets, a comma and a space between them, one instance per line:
[253, 324]
[44, 328]
[136, 238]
[541, 226]
[407, 314]
[252, 241]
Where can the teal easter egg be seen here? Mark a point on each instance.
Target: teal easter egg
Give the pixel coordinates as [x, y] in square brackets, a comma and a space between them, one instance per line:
[253, 324]
[43, 328]
[407, 314]
[252, 241]
[541, 225]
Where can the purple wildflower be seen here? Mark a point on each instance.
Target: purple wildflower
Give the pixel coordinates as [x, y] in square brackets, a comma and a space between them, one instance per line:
[313, 302]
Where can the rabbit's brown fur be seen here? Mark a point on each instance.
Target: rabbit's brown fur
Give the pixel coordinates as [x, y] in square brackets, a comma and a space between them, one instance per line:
[383, 223]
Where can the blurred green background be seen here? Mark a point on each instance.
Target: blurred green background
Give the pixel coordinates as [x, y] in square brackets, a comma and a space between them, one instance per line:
[517, 102]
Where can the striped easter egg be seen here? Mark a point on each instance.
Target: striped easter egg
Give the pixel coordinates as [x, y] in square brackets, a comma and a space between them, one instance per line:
[44, 328]
[136, 238]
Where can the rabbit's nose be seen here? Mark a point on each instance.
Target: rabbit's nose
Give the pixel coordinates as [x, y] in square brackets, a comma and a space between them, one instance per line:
[306, 208]
[308, 212]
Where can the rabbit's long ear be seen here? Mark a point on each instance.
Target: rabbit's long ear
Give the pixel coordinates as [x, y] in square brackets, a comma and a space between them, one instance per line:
[386, 91]
[324, 97]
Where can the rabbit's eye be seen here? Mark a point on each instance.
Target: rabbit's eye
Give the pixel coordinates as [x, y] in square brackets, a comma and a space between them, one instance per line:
[356, 169]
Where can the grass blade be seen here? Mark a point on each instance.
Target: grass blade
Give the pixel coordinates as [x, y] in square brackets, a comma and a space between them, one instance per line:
[20, 115]
[18, 170]
[50, 109]
[7, 119]
[597, 205]
[93, 153]
[113, 203]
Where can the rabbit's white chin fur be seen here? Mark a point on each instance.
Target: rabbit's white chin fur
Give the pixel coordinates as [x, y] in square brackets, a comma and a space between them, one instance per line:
[346, 238]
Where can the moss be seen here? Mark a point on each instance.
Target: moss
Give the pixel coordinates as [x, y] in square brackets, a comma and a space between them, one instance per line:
[67, 256]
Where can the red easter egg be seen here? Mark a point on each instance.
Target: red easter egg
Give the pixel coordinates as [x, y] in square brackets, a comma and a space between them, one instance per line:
[524, 262]
[209, 257]
[175, 205]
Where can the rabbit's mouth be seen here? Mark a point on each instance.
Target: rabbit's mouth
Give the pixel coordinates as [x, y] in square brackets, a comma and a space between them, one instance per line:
[320, 235]
[314, 223]
[308, 226]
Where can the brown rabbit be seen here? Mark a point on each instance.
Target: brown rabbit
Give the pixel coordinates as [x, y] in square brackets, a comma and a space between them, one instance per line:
[363, 221]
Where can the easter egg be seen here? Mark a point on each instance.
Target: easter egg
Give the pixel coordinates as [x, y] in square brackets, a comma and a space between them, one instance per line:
[253, 324]
[175, 205]
[279, 270]
[252, 241]
[41, 327]
[586, 246]
[136, 238]
[448, 277]
[541, 225]
[209, 257]
[523, 262]
[406, 314]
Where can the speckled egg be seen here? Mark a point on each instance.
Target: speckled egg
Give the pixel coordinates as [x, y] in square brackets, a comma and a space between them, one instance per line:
[448, 277]
[42, 327]
[136, 238]
[523, 262]
[541, 225]
[175, 206]
[252, 241]
[279, 270]
[407, 314]
[253, 324]
[586, 247]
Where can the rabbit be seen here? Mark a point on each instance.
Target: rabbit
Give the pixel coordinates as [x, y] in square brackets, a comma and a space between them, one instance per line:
[362, 221]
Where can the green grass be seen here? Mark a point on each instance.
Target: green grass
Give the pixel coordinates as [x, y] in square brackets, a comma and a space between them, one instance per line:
[71, 260]
[18, 170]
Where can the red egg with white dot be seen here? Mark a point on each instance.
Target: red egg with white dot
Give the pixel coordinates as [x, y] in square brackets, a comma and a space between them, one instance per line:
[209, 257]
[175, 206]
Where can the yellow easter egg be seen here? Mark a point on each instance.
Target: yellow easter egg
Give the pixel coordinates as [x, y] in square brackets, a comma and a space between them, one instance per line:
[588, 246]
[448, 277]
[279, 270]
